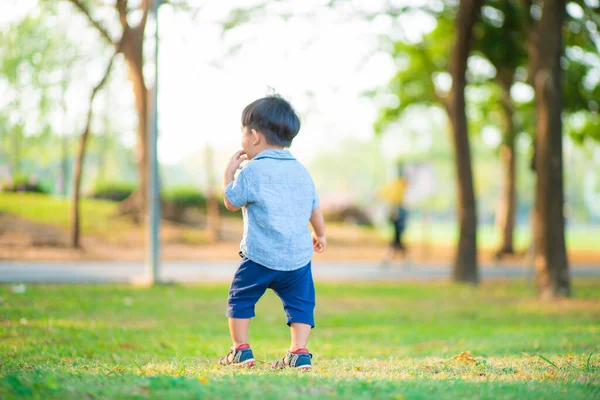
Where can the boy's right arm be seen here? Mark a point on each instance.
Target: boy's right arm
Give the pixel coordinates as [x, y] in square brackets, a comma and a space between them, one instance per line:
[318, 235]
[227, 179]
[228, 176]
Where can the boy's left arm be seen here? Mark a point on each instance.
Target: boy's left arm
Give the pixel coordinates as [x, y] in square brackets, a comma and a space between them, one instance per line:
[318, 225]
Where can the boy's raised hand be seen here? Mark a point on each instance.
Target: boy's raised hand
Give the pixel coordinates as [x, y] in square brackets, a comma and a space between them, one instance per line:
[235, 161]
[319, 243]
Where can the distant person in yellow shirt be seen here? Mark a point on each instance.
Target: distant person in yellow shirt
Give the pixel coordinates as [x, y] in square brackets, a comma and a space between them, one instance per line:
[392, 193]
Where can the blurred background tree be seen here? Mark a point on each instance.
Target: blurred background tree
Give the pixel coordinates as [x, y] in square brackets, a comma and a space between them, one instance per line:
[129, 40]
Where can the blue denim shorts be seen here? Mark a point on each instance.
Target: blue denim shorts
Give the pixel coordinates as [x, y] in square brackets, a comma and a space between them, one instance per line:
[296, 290]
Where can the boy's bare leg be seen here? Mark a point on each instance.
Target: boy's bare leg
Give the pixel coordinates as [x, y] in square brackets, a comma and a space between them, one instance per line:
[238, 329]
[300, 333]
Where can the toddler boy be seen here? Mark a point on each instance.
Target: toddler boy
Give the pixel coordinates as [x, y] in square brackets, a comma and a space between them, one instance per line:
[278, 200]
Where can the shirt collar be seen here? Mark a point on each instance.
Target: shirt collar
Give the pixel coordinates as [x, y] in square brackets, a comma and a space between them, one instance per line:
[275, 154]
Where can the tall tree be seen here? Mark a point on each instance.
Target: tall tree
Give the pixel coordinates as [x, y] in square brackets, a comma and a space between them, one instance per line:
[499, 37]
[465, 262]
[79, 162]
[421, 66]
[131, 42]
[545, 50]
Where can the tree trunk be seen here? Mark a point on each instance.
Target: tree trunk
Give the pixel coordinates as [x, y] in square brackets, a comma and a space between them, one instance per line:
[136, 203]
[76, 191]
[507, 206]
[465, 262]
[78, 169]
[533, 42]
[550, 255]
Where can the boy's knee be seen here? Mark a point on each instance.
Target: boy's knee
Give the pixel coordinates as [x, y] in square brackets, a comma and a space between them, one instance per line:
[239, 306]
[303, 312]
[240, 311]
[301, 318]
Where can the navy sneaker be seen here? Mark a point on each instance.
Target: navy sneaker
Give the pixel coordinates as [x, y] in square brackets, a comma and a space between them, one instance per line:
[299, 359]
[239, 357]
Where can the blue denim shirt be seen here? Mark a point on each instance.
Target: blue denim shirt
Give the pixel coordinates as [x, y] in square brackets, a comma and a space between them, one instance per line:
[277, 196]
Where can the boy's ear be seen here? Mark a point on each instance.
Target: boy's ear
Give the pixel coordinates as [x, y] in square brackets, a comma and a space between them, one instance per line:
[256, 136]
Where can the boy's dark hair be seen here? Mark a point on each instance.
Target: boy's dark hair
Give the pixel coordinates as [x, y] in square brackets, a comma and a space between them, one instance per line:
[274, 117]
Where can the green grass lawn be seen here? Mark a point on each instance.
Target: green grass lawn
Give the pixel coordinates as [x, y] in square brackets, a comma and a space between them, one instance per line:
[97, 216]
[372, 341]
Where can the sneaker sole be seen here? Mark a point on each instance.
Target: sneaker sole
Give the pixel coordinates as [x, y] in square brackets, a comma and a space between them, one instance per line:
[247, 363]
[304, 368]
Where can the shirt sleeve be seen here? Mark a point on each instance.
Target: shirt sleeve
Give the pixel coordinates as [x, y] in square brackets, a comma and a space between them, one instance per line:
[237, 190]
[316, 200]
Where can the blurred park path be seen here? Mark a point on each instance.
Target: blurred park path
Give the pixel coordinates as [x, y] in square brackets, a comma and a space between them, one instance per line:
[222, 271]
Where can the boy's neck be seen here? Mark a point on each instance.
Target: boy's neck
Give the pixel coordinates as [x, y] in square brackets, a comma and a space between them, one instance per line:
[271, 147]
[266, 147]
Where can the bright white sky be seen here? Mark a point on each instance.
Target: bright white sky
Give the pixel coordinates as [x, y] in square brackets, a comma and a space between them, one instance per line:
[201, 98]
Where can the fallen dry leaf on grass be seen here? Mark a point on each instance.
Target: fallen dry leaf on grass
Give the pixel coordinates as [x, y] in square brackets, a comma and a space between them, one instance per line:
[550, 375]
[466, 357]
[524, 375]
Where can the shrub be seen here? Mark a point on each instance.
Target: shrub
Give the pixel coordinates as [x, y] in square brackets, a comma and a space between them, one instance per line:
[23, 183]
[176, 202]
[115, 191]
[184, 196]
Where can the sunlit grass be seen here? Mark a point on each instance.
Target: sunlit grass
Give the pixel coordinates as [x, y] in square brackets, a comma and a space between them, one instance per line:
[97, 216]
[371, 341]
